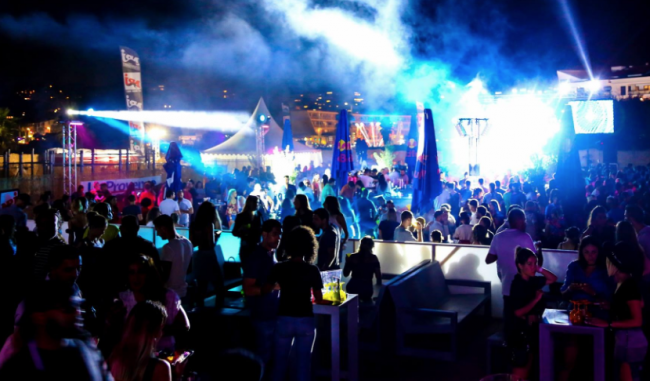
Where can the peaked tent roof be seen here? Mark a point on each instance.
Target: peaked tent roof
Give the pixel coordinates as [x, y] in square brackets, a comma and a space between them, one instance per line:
[243, 142]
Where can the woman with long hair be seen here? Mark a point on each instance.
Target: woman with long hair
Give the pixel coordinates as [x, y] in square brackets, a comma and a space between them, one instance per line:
[350, 217]
[337, 218]
[586, 277]
[303, 210]
[144, 283]
[495, 211]
[387, 227]
[598, 227]
[232, 207]
[288, 224]
[524, 310]
[248, 227]
[316, 186]
[133, 358]
[382, 185]
[626, 316]
[286, 206]
[298, 279]
[202, 229]
[625, 233]
[363, 265]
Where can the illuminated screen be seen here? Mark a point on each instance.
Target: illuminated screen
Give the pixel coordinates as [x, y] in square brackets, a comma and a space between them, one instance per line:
[7, 197]
[593, 117]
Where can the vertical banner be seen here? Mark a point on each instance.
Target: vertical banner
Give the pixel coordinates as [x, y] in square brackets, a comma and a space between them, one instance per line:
[133, 91]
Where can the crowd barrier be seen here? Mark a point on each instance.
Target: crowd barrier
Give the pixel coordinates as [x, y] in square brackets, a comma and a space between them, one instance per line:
[459, 261]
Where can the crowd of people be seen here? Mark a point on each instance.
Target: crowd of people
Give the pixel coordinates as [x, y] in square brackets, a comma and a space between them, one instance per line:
[134, 297]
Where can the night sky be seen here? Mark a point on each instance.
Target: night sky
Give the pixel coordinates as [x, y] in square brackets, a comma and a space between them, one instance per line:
[197, 48]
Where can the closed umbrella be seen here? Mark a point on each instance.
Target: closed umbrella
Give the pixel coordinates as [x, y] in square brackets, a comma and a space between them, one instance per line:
[342, 157]
[568, 177]
[287, 136]
[426, 176]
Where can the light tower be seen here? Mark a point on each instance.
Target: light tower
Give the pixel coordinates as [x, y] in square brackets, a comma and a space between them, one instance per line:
[473, 129]
[261, 130]
[69, 156]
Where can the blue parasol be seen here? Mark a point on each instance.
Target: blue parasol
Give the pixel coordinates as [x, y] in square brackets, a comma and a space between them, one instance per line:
[342, 157]
[287, 135]
[569, 178]
[426, 176]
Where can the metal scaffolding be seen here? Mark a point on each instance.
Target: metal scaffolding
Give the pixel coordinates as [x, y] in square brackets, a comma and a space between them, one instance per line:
[473, 129]
[69, 157]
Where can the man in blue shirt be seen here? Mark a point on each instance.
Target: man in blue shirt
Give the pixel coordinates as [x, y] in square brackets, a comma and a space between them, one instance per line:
[17, 210]
[262, 300]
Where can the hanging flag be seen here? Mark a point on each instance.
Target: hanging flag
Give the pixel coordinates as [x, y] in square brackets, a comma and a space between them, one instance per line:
[426, 176]
[133, 91]
[342, 163]
[287, 136]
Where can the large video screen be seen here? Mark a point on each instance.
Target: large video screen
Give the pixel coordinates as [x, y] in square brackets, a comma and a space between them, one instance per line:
[593, 117]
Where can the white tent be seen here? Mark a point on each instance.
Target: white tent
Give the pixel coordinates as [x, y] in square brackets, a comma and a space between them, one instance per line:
[238, 151]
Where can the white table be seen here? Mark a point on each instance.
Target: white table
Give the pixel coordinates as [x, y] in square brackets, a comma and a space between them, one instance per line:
[557, 321]
[352, 305]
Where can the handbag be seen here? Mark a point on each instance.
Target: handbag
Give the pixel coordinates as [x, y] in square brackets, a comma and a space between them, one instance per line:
[630, 345]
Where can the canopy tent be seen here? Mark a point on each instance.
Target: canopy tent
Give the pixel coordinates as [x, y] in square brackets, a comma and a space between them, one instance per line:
[236, 151]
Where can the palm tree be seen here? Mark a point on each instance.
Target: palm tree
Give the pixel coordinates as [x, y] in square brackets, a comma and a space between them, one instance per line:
[8, 131]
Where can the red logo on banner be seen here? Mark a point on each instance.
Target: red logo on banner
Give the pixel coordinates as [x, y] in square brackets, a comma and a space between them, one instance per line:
[343, 158]
[131, 81]
[343, 145]
[412, 144]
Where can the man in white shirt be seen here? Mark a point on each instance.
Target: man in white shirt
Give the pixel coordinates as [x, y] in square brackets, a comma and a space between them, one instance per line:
[366, 179]
[394, 176]
[169, 206]
[176, 255]
[502, 249]
[443, 198]
[402, 234]
[185, 208]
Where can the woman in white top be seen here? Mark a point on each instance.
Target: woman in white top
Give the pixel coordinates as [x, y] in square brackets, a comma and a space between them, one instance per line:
[337, 218]
[143, 284]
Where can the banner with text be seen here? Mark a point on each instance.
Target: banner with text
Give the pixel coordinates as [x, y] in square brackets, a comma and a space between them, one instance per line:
[133, 91]
[119, 186]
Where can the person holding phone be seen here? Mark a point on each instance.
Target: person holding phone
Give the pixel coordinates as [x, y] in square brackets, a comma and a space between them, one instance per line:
[133, 358]
[523, 310]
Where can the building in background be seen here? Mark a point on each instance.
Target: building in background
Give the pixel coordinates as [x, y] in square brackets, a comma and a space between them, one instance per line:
[617, 82]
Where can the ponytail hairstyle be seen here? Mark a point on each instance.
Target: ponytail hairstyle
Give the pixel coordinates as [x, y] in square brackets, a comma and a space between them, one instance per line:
[522, 254]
